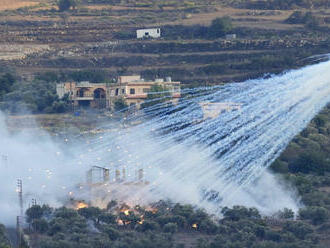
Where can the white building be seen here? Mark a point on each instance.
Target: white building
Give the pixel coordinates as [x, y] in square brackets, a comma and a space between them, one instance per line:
[148, 33]
[231, 36]
[214, 109]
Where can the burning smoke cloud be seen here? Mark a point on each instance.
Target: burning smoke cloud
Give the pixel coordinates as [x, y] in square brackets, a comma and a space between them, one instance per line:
[184, 157]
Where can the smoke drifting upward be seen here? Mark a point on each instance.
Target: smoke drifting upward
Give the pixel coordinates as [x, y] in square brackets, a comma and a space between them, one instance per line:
[186, 157]
[39, 163]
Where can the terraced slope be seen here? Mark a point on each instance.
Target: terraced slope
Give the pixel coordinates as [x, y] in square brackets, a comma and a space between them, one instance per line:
[102, 37]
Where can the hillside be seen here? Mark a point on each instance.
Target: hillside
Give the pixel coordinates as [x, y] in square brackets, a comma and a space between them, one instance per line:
[101, 35]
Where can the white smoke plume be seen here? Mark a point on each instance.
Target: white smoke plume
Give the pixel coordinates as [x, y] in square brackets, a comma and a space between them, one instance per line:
[35, 159]
[209, 163]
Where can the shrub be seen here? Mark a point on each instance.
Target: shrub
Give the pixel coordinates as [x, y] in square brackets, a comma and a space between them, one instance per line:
[317, 215]
[239, 212]
[311, 161]
[286, 214]
[120, 104]
[299, 229]
[34, 212]
[40, 225]
[64, 5]
[170, 228]
[220, 26]
[148, 225]
[112, 233]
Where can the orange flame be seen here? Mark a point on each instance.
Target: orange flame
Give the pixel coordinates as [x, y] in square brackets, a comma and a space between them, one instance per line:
[81, 205]
[126, 212]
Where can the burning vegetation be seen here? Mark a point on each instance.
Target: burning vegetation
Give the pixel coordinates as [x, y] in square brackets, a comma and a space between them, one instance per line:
[162, 224]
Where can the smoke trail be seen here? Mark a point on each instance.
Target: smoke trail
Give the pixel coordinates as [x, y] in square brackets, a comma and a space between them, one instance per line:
[186, 157]
[215, 161]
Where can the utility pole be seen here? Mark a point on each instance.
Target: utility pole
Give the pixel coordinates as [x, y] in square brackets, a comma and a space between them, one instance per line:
[18, 231]
[20, 217]
[20, 195]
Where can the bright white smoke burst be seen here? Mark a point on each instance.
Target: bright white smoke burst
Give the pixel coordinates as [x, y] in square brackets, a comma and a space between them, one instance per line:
[208, 162]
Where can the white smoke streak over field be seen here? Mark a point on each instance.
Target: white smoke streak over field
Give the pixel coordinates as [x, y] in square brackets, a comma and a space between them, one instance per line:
[208, 163]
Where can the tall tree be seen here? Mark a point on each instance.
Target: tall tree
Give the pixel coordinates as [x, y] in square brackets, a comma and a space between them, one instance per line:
[220, 26]
[64, 5]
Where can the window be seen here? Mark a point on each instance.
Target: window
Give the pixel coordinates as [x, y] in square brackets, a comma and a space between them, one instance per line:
[117, 92]
[123, 91]
[157, 31]
[132, 91]
[146, 33]
[80, 93]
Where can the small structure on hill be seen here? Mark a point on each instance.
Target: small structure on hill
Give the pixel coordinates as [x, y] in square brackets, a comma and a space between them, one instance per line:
[212, 110]
[148, 33]
[231, 36]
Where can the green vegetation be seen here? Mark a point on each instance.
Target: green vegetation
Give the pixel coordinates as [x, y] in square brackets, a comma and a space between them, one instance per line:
[64, 5]
[120, 104]
[95, 76]
[283, 4]
[36, 97]
[6, 83]
[306, 165]
[39, 95]
[4, 243]
[308, 153]
[220, 26]
[299, 17]
[121, 226]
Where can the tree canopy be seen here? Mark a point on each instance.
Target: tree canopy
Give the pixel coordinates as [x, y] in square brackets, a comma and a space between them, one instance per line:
[64, 5]
[220, 26]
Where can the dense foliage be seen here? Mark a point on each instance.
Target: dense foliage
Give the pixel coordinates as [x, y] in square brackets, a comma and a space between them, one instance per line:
[309, 152]
[36, 96]
[3, 239]
[306, 164]
[220, 26]
[6, 83]
[64, 5]
[283, 4]
[120, 104]
[162, 226]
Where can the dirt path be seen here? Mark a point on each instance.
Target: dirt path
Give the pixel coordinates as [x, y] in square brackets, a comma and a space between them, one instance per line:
[15, 4]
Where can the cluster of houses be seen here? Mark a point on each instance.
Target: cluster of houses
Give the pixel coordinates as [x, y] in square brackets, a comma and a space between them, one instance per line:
[132, 89]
